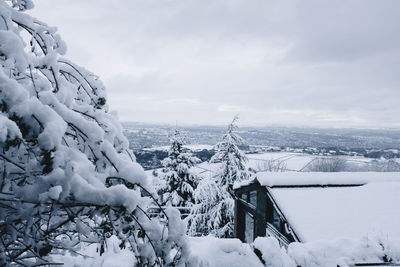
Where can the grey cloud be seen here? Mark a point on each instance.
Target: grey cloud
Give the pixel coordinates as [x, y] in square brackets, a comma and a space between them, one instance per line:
[314, 62]
[345, 31]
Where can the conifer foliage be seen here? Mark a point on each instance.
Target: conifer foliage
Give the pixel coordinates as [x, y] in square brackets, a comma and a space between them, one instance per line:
[67, 176]
[179, 180]
[233, 160]
[214, 209]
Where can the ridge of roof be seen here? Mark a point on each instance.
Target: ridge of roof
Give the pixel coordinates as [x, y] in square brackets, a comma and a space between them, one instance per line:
[319, 179]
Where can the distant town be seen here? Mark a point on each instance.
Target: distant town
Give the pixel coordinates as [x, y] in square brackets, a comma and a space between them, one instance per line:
[150, 141]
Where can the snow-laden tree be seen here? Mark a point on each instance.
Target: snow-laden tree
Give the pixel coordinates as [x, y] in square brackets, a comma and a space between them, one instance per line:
[67, 176]
[214, 209]
[212, 212]
[232, 159]
[179, 181]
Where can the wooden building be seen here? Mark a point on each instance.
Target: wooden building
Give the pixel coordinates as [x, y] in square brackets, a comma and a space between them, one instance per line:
[307, 206]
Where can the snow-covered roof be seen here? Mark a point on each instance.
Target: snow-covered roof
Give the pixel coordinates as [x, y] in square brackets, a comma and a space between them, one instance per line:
[272, 179]
[334, 205]
[324, 178]
[332, 212]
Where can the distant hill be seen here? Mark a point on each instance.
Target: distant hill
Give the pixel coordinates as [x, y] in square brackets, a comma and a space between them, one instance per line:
[143, 135]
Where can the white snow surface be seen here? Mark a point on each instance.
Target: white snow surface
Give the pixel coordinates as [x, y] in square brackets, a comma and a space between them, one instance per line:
[293, 161]
[114, 256]
[342, 212]
[218, 252]
[331, 253]
[207, 251]
[320, 178]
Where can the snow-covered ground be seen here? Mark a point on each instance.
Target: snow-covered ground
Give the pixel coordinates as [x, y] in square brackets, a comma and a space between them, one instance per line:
[218, 252]
[206, 251]
[371, 250]
[89, 256]
[213, 252]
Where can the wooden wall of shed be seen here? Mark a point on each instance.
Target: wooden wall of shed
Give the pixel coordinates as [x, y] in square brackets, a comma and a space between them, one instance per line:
[239, 221]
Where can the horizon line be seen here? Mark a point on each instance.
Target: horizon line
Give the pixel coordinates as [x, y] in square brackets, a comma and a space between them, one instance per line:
[262, 126]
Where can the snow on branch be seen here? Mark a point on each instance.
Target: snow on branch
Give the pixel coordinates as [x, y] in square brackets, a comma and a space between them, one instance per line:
[59, 146]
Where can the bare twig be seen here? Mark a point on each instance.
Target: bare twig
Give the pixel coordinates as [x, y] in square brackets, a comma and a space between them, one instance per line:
[12, 162]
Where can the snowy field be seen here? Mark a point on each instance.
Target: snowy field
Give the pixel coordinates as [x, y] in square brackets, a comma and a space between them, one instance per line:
[296, 161]
[293, 161]
[289, 161]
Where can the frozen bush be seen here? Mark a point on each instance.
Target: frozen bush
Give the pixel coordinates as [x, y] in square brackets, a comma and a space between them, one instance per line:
[333, 164]
[271, 165]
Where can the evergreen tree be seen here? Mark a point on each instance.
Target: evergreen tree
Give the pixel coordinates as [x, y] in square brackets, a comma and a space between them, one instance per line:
[67, 175]
[214, 209]
[179, 181]
[232, 159]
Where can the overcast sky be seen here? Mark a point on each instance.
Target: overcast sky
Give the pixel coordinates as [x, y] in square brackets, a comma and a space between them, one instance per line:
[295, 63]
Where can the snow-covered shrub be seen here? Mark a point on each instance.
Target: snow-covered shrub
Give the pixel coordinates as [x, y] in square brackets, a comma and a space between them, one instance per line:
[214, 209]
[271, 165]
[179, 181]
[333, 164]
[66, 173]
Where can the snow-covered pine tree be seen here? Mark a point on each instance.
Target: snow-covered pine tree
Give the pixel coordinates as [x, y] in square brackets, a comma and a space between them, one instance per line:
[179, 180]
[214, 209]
[232, 159]
[67, 176]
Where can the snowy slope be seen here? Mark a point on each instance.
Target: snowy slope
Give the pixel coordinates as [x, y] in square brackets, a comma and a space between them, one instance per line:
[293, 161]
